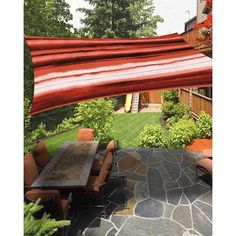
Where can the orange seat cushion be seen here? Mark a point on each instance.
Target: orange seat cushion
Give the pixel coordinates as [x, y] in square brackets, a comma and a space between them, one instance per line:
[41, 154]
[206, 163]
[85, 135]
[30, 169]
[207, 153]
[44, 194]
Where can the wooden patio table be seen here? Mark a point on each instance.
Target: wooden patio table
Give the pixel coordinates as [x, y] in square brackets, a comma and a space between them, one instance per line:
[69, 167]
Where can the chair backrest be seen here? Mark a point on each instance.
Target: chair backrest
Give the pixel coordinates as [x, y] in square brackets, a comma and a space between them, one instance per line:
[107, 161]
[30, 169]
[85, 135]
[111, 146]
[41, 154]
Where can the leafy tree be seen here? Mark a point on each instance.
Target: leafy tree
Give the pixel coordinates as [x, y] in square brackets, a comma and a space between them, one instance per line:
[98, 115]
[119, 18]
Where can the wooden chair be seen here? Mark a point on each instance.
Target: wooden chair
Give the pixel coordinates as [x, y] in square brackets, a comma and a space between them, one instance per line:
[111, 147]
[30, 174]
[41, 155]
[85, 135]
[96, 184]
[205, 166]
[47, 195]
[30, 170]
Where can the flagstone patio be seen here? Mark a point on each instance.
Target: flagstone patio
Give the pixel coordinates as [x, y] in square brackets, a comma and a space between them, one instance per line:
[151, 192]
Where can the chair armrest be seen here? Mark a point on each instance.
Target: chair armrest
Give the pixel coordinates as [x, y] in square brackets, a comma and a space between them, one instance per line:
[44, 194]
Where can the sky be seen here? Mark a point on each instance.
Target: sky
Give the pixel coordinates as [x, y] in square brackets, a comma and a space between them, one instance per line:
[172, 11]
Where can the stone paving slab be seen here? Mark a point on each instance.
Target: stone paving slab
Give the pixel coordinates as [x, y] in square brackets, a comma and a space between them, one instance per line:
[161, 196]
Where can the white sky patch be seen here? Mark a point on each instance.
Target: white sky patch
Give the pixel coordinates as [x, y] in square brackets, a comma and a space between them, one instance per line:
[172, 11]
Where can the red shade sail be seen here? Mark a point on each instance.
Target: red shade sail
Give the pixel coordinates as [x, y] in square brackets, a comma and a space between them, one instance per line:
[70, 70]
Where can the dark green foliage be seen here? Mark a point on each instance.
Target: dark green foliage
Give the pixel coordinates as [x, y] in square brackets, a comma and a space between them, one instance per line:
[40, 132]
[204, 125]
[26, 116]
[153, 136]
[98, 115]
[40, 227]
[168, 109]
[180, 110]
[182, 133]
[119, 19]
[170, 96]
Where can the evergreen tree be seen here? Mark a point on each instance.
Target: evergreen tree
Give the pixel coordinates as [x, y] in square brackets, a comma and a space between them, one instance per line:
[40, 227]
[119, 19]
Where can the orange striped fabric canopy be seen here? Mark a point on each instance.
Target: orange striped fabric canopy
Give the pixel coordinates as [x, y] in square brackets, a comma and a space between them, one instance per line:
[71, 70]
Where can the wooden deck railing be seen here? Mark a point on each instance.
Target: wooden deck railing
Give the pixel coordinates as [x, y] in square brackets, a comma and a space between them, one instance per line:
[198, 102]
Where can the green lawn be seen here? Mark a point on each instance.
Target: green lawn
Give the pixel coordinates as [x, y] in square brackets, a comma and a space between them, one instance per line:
[126, 128]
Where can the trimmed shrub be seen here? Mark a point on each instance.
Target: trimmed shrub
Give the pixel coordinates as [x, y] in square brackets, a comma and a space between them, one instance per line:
[171, 121]
[170, 96]
[168, 109]
[180, 110]
[204, 125]
[98, 115]
[182, 133]
[152, 136]
[39, 132]
[66, 124]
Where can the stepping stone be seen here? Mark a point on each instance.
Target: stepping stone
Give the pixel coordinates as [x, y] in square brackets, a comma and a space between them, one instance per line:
[128, 163]
[98, 228]
[172, 169]
[109, 209]
[191, 176]
[130, 149]
[157, 164]
[149, 208]
[193, 232]
[126, 209]
[135, 155]
[130, 176]
[201, 223]
[173, 157]
[164, 174]
[141, 191]
[174, 195]
[142, 169]
[154, 158]
[158, 156]
[207, 198]
[122, 153]
[184, 200]
[168, 210]
[120, 196]
[145, 151]
[182, 215]
[206, 209]
[118, 221]
[171, 185]
[156, 185]
[143, 227]
[130, 184]
[188, 160]
[112, 232]
[184, 181]
[195, 191]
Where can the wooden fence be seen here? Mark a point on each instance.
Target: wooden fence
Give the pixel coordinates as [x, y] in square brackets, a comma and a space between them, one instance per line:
[197, 102]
